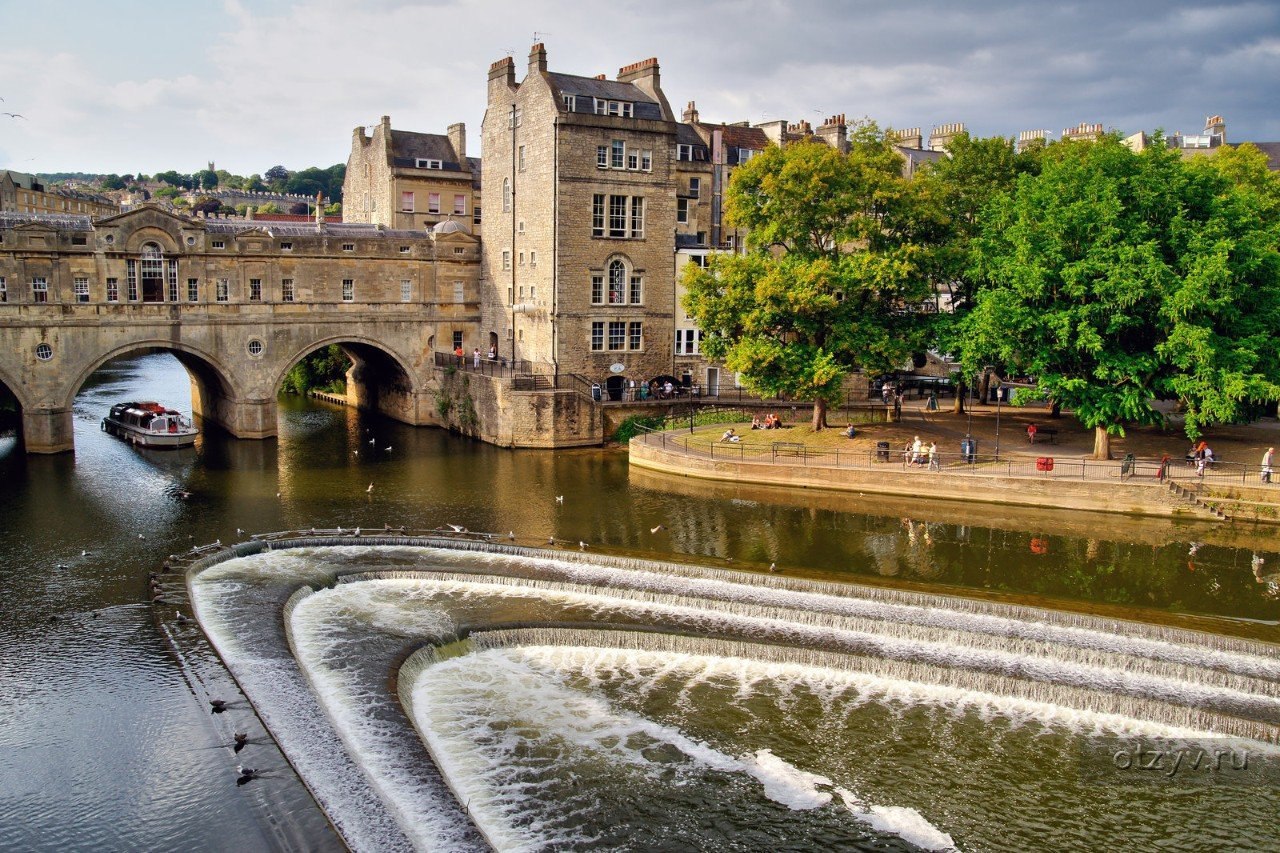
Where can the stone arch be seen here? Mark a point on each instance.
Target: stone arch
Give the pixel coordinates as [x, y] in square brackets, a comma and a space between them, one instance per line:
[380, 378]
[15, 388]
[210, 377]
[152, 234]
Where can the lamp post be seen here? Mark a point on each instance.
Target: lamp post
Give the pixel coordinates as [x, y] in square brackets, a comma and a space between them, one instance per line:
[999, 399]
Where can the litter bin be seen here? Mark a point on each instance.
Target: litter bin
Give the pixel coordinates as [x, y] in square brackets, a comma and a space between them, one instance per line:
[595, 392]
[882, 451]
[969, 449]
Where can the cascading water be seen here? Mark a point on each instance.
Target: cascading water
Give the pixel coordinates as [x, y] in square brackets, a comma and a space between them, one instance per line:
[439, 695]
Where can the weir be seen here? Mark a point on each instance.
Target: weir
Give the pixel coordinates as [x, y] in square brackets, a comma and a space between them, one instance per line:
[491, 627]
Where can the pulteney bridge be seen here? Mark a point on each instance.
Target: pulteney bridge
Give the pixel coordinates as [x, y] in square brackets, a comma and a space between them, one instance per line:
[239, 303]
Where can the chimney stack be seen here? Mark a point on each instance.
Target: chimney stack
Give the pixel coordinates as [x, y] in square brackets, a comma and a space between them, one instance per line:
[690, 115]
[910, 137]
[538, 59]
[835, 132]
[458, 139]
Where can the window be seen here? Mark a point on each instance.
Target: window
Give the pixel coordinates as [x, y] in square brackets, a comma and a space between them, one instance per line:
[433, 202]
[406, 290]
[424, 163]
[635, 333]
[406, 202]
[682, 211]
[637, 290]
[286, 290]
[521, 259]
[646, 160]
[597, 290]
[458, 250]
[506, 259]
[695, 187]
[79, 240]
[256, 347]
[255, 290]
[687, 341]
[617, 155]
[81, 286]
[618, 219]
[457, 339]
[570, 102]
[44, 352]
[637, 216]
[533, 259]
[4, 290]
[597, 215]
[286, 247]
[520, 227]
[506, 195]
[348, 247]
[602, 156]
[459, 292]
[172, 280]
[617, 283]
[222, 290]
[533, 292]
[684, 152]
[218, 244]
[745, 154]
[625, 109]
[617, 216]
[193, 290]
[520, 158]
[633, 159]
[617, 334]
[113, 290]
[460, 205]
[131, 276]
[475, 215]
[597, 336]
[348, 290]
[513, 118]
[404, 250]
[700, 260]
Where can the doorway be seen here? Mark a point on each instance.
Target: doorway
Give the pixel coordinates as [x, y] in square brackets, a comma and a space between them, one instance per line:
[713, 382]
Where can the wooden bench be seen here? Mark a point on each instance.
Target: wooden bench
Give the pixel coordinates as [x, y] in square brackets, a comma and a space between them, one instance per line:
[788, 448]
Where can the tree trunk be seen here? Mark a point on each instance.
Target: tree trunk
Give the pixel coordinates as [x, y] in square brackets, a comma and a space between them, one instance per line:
[961, 391]
[1101, 443]
[1055, 410]
[984, 387]
[819, 414]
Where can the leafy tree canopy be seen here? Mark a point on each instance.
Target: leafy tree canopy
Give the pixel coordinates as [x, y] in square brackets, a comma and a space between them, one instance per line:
[1115, 278]
[825, 286]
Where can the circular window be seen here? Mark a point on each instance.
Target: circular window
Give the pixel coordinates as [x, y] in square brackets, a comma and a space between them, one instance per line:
[255, 347]
[110, 238]
[191, 241]
[44, 352]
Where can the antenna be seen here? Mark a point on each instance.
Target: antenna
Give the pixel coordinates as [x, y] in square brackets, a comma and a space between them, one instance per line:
[538, 35]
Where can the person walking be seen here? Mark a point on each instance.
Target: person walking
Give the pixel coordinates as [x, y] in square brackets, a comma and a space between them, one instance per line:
[935, 464]
[475, 357]
[1268, 462]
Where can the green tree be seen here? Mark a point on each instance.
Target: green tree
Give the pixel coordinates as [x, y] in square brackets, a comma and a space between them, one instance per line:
[254, 183]
[205, 204]
[1118, 278]
[207, 179]
[112, 182]
[826, 284]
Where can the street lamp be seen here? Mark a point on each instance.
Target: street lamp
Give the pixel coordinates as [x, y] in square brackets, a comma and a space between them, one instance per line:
[999, 399]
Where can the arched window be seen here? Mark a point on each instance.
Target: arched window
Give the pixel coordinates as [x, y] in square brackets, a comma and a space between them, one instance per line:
[146, 275]
[506, 195]
[617, 282]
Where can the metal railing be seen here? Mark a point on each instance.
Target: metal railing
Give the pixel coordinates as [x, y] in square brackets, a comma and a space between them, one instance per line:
[702, 441]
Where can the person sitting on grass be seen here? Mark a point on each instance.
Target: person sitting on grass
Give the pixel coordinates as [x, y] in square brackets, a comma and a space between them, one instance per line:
[850, 432]
[755, 422]
[730, 435]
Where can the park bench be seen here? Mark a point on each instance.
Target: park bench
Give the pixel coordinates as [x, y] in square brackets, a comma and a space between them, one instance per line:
[788, 448]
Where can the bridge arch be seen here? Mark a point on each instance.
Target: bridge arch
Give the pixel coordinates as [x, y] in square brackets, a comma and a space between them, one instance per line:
[380, 378]
[210, 378]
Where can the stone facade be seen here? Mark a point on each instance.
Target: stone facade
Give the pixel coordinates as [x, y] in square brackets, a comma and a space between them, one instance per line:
[403, 179]
[22, 193]
[578, 275]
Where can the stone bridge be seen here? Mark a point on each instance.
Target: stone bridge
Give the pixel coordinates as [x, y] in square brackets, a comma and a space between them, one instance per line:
[237, 358]
[238, 303]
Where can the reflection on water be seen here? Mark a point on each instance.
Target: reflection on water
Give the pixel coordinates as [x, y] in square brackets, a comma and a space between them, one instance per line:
[102, 741]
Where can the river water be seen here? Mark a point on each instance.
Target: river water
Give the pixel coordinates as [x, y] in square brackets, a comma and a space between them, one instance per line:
[107, 740]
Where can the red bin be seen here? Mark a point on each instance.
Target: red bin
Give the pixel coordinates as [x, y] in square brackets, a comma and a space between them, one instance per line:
[1044, 463]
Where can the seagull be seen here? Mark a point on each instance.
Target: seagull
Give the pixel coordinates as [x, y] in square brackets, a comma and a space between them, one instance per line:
[456, 528]
[182, 620]
[387, 449]
[582, 546]
[559, 499]
[1195, 546]
[62, 566]
[656, 529]
[241, 738]
[369, 490]
[773, 567]
[16, 115]
[511, 535]
[357, 531]
[83, 553]
[218, 705]
[551, 540]
[247, 774]
[373, 441]
[239, 532]
[140, 536]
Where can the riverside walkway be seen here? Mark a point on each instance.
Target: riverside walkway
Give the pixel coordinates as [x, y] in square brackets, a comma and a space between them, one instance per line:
[1041, 475]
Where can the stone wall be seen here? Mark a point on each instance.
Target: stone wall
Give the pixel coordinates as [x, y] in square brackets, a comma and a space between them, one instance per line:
[488, 408]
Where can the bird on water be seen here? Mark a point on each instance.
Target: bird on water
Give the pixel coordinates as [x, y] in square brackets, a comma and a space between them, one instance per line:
[218, 705]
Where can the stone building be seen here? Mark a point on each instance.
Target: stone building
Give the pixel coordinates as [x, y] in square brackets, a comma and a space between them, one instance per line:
[23, 193]
[577, 273]
[404, 179]
[149, 255]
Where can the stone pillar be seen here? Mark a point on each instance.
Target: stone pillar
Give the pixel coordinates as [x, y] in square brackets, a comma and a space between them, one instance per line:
[241, 418]
[47, 430]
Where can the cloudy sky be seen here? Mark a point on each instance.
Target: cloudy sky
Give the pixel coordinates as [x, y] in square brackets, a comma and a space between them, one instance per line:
[150, 85]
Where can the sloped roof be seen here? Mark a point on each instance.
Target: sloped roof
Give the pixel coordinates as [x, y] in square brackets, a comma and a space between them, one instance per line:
[63, 221]
[687, 134]
[407, 147]
[737, 136]
[610, 90]
[1272, 150]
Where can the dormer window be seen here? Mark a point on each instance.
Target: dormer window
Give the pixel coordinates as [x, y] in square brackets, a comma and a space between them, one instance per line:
[570, 102]
[604, 107]
[423, 163]
[684, 152]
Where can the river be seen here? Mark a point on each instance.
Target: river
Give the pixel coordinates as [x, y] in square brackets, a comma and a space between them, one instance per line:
[106, 737]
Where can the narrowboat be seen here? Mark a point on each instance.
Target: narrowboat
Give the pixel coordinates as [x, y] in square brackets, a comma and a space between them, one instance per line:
[150, 424]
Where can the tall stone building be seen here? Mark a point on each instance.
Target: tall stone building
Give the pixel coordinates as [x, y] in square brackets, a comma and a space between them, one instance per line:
[578, 274]
[403, 179]
[23, 193]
